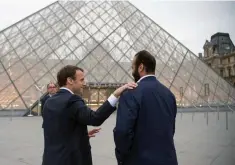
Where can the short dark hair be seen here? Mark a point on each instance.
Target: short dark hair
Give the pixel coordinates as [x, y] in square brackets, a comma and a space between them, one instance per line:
[67, 71]
[147, 60]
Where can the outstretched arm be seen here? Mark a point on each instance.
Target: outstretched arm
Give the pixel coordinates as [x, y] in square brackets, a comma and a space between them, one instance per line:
[84, 115]
[125, 124]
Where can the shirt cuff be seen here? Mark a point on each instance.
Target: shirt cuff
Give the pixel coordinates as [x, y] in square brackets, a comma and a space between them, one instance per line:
[113, 100]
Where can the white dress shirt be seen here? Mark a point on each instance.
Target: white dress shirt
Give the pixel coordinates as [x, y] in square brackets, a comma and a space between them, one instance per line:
[150, 75]
[112, 99]
[67, 90]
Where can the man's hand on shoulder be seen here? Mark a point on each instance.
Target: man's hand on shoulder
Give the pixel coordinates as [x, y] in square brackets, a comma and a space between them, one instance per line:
[121, 89]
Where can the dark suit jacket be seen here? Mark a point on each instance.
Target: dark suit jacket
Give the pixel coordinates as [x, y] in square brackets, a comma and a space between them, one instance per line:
[43, 101]
[145, 125]
[66, 117]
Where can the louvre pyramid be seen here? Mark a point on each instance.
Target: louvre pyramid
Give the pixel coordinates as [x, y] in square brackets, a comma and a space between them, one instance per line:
[102, 38]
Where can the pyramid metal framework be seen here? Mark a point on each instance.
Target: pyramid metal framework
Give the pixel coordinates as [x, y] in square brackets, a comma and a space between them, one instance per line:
[102, 38]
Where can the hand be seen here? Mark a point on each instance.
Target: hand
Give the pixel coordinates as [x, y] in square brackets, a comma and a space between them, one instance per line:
[121, 89]
[93, 132]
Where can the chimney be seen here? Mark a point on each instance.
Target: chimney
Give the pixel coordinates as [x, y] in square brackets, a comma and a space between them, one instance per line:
[200, 55]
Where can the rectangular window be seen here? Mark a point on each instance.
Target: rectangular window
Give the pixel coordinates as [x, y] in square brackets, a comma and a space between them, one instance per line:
[229, 72]
[181, 91]
[207, 90]
[221, 61]
[221, 72]
[229, 60]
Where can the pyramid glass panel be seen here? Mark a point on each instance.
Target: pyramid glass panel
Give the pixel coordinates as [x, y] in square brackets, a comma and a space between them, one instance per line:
[190, 94]
[185, 76]
[55, 69]
[102, 38]
[48, 77]
[164, 80]
[31, 95]
[10, 59]
[24, 84]
[195, 84]
[9, 95]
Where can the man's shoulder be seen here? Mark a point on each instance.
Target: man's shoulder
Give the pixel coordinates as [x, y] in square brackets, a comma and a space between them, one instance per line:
[75, 99]
[166, 92]
[59, 97]
[131, 94]
[156, 87]
[45, 97]
[62, 101]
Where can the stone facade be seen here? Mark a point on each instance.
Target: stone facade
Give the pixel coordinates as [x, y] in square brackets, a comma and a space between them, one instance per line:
[219, 54]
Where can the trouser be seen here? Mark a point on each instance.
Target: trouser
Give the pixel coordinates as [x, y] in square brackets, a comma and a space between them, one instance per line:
[43, 148]
[43, 158]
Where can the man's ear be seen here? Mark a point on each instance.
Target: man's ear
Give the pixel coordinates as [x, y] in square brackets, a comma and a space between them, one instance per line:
[69, 80]
[141, 67]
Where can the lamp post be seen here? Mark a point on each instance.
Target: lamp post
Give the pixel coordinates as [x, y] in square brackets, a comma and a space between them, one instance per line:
[11, 111]
[30, 113]
[39, 89]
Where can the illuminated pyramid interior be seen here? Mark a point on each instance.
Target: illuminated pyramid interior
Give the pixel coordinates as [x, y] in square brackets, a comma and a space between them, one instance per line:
[102, 38]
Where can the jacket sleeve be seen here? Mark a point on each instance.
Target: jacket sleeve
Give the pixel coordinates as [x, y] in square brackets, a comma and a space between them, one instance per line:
[43, 100]
[84, 115]
[127, 114]
[175, 112]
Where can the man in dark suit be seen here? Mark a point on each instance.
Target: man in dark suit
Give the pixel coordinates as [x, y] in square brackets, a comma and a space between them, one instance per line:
[145, 124]
[51, 89]
[66, 117]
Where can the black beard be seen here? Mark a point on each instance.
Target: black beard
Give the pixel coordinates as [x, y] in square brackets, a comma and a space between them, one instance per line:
[136, 75]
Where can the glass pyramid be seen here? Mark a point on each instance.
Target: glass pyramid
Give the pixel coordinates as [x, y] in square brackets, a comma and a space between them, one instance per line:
[102, 38]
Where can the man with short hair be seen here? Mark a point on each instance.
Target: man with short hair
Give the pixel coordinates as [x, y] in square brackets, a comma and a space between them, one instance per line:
[145, 124]
[51, 89]
[66, 117]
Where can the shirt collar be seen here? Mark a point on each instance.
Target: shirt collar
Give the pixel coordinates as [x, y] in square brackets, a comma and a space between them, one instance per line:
[67, 89]
[145, 77]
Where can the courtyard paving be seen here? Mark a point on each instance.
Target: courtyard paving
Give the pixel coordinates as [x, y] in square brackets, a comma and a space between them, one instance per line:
[199, 140]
